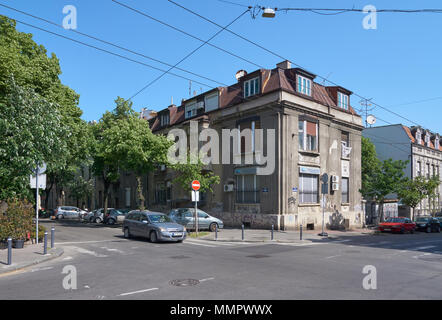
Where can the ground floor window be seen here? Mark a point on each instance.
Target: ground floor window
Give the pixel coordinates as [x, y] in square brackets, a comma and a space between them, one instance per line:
[308, 188]
[344, 192]
[160, 193]
[247, 190]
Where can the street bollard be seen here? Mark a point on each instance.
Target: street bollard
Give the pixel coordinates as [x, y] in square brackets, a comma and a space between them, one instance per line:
[45, 245]
[272, 231]
[242, 233]
[52, 237]
[300, 233]
[216, 231]
[9, 251]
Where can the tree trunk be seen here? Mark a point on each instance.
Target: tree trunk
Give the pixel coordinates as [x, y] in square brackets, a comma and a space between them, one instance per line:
[381, 211]
[47, 193]
[106, 197]
[140, 193]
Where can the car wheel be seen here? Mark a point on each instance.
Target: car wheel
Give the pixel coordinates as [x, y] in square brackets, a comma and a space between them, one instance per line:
[97, 220]
[127, 233]
[179, 241]
[402, 230]
[438, 230]
[60, 216]
[411, 231]
[213, 227]
[153, 237]
[428, 230]
[111, 221]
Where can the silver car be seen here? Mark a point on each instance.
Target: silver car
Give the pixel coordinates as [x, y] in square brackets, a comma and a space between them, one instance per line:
[186, 217]
[155, 226]
[65, 212]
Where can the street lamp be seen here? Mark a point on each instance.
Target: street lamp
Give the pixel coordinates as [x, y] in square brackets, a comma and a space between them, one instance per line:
[268, 13]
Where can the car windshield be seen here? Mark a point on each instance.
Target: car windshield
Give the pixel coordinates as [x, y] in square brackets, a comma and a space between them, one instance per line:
[159, 218]
[422, 219]
[395, 220]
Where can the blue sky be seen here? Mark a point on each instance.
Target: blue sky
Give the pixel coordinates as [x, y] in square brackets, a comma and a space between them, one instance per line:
[397, 64]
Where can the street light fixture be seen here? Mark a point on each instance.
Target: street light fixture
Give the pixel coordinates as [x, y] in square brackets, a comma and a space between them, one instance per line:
[268, 13]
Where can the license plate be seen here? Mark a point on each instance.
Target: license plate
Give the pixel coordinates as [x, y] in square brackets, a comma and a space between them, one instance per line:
[176, 234]
[387, 229]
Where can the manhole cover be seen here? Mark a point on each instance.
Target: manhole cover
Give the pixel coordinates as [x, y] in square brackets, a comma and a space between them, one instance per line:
[184, 282]
[179, 257]
[257, 256]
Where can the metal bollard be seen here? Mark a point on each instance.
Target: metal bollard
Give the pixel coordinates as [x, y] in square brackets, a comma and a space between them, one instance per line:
[216, 232]
[9, 251]
[272, 231]
[52, 237]
[300, 233]
[45, 245]
[242, 233]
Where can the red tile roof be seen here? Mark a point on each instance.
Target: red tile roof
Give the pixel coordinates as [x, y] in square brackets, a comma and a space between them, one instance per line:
[422, 143]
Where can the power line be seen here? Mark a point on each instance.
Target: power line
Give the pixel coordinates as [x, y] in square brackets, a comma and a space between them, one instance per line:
[185, 32]
[109, 43]
[189, 54]
[283, 58]
[109, 52]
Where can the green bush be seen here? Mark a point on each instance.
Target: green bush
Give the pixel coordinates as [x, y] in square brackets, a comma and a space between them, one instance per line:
[41, 232]
[16, 221]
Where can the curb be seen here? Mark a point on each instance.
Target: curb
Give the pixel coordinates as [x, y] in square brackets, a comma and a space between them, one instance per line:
[256, 241]
[52, 254]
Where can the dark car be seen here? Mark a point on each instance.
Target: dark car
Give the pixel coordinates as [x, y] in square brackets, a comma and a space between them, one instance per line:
[155, 226]
[440, 220]
[114, 216]
[427, 224]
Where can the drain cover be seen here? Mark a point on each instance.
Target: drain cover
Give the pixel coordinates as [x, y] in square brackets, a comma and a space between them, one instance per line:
[257, 256]
[184, 282]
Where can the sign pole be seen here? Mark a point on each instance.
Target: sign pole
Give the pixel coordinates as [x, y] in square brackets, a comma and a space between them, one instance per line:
[196, 214]
[36, 204]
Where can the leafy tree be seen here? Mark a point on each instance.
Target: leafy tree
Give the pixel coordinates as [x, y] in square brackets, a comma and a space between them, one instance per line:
[431, 191]
[370, 167]
[194, 170]
[31, 131]
[412, 192]
[33, 69]
[80, 189]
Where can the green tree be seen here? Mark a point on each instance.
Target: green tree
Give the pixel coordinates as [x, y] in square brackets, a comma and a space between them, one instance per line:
[412, 192]
[80, 189]
[31, 131]
[431, 193]
[370, 167]
[194, 170]
[33, 69]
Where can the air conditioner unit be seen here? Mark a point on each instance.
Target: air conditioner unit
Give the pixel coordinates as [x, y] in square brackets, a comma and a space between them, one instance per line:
[335, 186]
[228, 187]
[335, 179]
[200, 105]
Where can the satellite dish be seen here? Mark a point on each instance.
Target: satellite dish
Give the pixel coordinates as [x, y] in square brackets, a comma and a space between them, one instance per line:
[371, 119]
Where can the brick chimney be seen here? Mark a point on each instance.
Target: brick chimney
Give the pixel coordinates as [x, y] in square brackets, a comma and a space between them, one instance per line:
[284, 65]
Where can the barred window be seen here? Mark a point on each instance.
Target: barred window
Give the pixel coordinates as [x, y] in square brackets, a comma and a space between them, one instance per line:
[308, 188]
[344, 192]
[247, 190]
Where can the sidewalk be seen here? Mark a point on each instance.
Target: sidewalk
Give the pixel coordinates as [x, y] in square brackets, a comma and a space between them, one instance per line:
[260, 235]
[31, 254]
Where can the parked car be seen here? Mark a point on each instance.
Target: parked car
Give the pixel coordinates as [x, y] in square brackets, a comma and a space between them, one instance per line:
[397, 224]
[440, 220]
[427, 224]
[89, 216]
[186, 217]
[114, 216]
[65, 212]
[155, 226]
[98, 216]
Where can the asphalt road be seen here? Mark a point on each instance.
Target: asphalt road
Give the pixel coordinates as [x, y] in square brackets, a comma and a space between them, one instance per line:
[110, 267]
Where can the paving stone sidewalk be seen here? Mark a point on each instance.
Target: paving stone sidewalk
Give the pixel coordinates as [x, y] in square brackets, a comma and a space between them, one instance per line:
[260, 235]
[31, 254]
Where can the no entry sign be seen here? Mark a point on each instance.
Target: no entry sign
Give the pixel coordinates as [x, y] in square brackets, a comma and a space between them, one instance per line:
[196, 185]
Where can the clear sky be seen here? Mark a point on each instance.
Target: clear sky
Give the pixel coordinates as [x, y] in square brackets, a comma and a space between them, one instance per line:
[399, 64]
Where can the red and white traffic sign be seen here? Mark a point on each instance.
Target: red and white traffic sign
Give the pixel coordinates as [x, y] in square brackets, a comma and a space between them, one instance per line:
[196, 185]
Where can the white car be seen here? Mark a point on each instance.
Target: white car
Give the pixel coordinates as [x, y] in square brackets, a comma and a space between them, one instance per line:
[66, 212]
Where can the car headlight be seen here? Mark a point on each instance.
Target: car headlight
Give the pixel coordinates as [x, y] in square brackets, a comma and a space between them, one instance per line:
[163, 229]
[184, 229]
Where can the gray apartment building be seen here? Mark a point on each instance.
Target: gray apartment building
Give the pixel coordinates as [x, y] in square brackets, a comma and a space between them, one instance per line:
[423, 150]
[316, 132]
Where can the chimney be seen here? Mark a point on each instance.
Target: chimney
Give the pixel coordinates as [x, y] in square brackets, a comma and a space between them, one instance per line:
[284, 65]
[239, 74]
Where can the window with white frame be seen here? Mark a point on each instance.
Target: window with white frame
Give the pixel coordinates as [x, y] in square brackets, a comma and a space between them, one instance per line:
[308, 188]
[211, 102]
[248, 143]
[164, 119]
[190, 109]
[251, 87]
[247, 190]
[304, 85]
[344, 191]
[308, 135]
[418, 169]
[342, 100]
[428, 170]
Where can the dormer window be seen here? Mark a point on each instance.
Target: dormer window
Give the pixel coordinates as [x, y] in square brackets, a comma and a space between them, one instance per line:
[427, 140]
[251, 87]
[436, 143]
[342, 100]
[164, 119]
[418, 137]
[304, 85]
